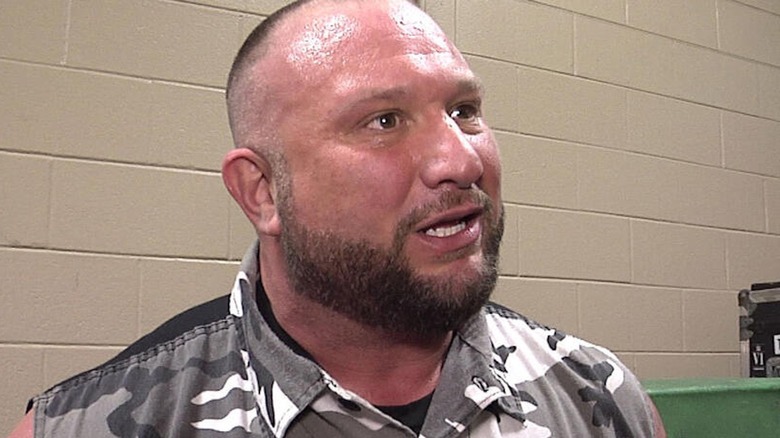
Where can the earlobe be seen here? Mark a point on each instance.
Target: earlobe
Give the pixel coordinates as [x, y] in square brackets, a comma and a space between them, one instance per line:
[247, 177]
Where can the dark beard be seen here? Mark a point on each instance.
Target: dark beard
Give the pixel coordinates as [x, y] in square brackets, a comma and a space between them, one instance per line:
[377, 287]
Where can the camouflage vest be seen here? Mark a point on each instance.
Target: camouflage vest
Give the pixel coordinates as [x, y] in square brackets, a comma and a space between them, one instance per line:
[220, 371]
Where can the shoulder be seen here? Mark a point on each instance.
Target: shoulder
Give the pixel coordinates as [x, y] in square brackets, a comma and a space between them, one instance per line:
[193, 353]
[203, 319]
[538, 350]
[200, 316]
[175, 342]
[562, 374]
[506, 324]
[496, 312]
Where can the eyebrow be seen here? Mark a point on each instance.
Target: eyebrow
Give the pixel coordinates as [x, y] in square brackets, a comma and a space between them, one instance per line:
[470, 85]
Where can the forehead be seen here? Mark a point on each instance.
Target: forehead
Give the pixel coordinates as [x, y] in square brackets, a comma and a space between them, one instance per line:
[354, 38]
[327, 32]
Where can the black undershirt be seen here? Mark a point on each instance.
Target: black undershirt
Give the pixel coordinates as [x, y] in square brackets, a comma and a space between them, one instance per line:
[412, 415]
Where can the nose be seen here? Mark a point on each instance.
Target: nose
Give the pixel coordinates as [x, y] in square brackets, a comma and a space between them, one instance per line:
[450, 157]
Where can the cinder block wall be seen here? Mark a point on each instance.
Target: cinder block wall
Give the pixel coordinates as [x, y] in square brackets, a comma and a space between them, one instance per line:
[641, 148]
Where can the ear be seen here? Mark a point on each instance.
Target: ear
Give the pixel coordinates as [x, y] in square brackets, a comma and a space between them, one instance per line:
[247, 177]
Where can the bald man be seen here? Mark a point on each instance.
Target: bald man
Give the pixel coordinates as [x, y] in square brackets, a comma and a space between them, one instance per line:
[364, 164]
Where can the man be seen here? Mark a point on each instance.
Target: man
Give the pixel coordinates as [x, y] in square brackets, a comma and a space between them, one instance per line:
[365, 166]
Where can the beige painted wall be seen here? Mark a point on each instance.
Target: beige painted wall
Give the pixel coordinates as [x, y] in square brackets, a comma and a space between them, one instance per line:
[640, 139]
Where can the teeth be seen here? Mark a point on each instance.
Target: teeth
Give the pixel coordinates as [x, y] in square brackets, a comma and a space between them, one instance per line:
[446, 231]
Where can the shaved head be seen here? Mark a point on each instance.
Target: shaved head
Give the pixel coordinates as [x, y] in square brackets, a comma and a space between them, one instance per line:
[252, 88]
[365, 165]
[244, 93]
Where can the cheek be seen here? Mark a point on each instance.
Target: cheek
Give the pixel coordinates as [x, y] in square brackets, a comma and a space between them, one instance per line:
[385, 180]
[384, 192]
[352, 189]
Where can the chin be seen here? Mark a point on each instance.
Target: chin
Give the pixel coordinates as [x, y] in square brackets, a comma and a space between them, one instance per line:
[454, 267]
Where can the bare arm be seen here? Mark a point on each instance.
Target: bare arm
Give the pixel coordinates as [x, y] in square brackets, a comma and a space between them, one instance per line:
[25, 427]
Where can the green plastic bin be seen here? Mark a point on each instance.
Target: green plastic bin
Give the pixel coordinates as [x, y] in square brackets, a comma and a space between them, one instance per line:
[718, 408]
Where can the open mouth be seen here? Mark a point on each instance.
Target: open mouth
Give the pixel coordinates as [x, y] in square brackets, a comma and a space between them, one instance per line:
[451, 227]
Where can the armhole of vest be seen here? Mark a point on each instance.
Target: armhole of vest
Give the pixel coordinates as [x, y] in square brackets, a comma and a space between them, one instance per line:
[39, 419]
[34, 407]
[200, 315]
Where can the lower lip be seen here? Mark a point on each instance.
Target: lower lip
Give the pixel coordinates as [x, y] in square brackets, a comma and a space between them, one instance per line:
[462, 239]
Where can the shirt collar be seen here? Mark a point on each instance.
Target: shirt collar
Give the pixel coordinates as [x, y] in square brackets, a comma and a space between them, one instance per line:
[286, 383]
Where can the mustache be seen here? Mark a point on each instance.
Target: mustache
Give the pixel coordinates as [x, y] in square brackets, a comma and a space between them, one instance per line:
[445, 201]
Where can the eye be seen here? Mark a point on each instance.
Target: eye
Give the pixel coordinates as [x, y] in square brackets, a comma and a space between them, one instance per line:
[467, 112]
[385, 121]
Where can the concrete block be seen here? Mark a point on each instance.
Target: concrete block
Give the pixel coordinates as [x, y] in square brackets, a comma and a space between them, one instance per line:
[627, 184]
[611, 10]
[649, 187]
[191, 44]
[509, 263]
[721, 198]
[694, 22]
[563, 107]
[769, 91]
[607, 51]
[751, 144]
[711, 321]
[674, 129]
[677, 255]
[241, 233]
[21, 375]
[501, 106]
[64, 362]
[33, 30]
[134, 210]
[573, 245]
[773, 205]
[749, 32]
[443, 11]
[84, 114]
[265, 7]
[247, 24]
[552, 303]
[767, 5]
[24, 196]
[56, 297]
[752, 258]
[631, 318]
[169, 287]
[627, 359]
[649, 62]
[538, 171]
[686, 365]
[520, 32]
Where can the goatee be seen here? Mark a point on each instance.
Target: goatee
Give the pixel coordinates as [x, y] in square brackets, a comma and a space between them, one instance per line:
[377, 287]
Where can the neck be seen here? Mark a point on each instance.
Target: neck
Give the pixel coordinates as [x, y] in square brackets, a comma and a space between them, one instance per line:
[381, 368]
[387, 369]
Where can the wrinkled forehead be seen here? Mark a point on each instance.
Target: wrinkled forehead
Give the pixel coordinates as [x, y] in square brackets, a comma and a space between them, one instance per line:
[334, 34]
